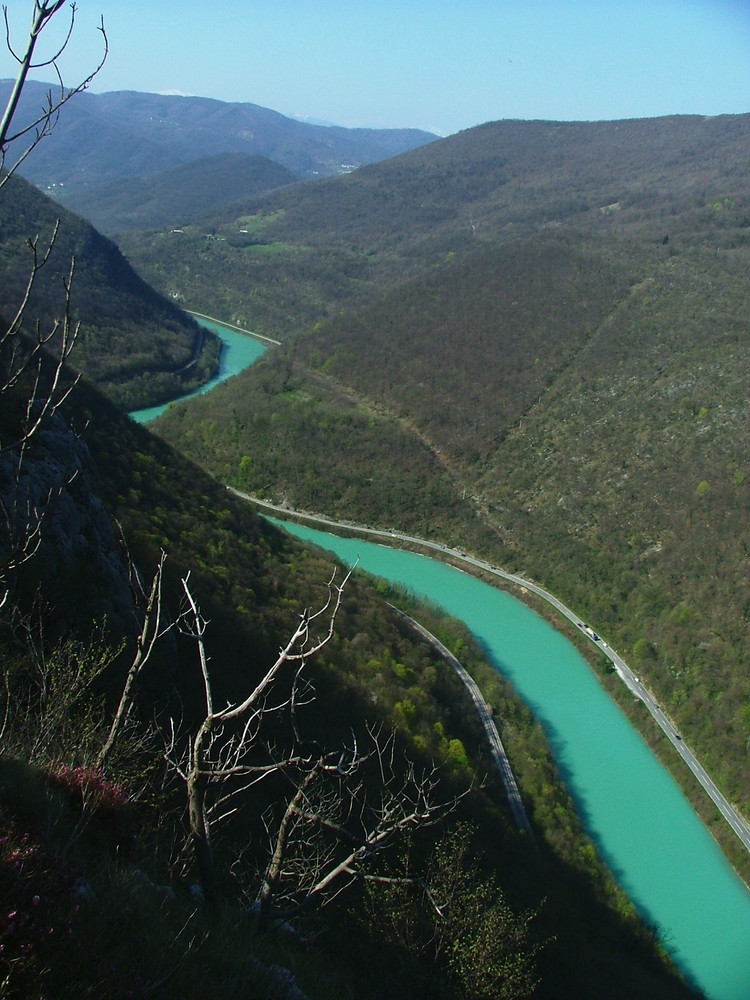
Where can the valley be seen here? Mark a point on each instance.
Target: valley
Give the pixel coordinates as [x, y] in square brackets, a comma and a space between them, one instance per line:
[631, 682]
[523, 346]
[635, 812]
[560, 389]
[683, 917]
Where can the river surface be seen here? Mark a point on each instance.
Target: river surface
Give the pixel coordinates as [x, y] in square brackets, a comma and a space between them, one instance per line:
[238, 352]
[643, 825]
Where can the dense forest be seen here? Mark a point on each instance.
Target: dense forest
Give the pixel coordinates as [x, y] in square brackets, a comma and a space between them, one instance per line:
[218, 747]
[570, 926]
[555, 382]
[170, 196]
[133, 342]
[319, 248]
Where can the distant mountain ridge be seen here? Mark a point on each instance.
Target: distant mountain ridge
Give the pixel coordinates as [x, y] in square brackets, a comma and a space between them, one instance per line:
[170, 197]
[399, 218]
[128, 134]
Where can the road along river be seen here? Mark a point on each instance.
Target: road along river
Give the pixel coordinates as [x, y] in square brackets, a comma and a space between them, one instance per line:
[633, 683]
[645, 828]
[240, 350]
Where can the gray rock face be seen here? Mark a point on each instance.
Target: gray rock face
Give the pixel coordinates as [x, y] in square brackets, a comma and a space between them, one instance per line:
[78, 568]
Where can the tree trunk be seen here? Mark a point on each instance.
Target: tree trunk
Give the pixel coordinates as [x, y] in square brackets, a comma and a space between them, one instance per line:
[200, 839]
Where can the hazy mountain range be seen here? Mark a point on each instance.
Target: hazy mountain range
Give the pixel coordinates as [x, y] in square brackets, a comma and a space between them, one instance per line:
[127, 133]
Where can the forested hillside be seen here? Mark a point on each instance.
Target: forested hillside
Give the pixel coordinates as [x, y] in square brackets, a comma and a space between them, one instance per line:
[170, 197]
[323, 246]
[69, 627]
[208, 731]
[133, 342]
[529, 339]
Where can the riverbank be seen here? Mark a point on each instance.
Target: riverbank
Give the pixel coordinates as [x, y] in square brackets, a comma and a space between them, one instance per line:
[644, 827]
[485, 716]
[240, 349]
[230, 326]
[628, 677]
[679, 904]
[733, 833]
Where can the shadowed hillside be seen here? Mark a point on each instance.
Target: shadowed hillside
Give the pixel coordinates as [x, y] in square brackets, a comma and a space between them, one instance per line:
[168, 198]
[126, 852]
[133, 342]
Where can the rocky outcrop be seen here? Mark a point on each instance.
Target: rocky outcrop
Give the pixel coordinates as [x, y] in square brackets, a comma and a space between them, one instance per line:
[79, 570]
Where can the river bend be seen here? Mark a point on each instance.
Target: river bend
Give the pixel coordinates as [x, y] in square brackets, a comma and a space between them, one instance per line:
[644, 827]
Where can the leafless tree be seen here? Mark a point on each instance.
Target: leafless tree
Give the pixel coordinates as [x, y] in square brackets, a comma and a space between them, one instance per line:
[147, 602]
[53, 706]
[31, 133]
[32, 360]
[48, 712]
[333, 819]
[347, 808]
[221, 757]
[32, 387]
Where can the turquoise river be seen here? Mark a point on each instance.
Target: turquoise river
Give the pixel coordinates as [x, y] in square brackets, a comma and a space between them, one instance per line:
[644, 827]
[238, 352]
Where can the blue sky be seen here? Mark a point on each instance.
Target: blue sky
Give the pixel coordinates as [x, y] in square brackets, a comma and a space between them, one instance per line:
[442, 65]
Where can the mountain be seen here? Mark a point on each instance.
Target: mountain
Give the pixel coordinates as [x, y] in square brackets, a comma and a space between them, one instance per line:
[322, 247]
[97, 856]
[127, 134]
[133, 342]
[123, 831]
[529, 340]
[170, 197]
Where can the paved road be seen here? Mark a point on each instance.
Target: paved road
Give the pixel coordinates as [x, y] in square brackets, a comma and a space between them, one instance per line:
[483, 711]
[239, 329]
[624, 672]
[196, 353]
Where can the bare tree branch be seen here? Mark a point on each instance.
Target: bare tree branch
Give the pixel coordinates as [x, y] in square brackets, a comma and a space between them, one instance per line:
[44, 123]
[31, 378]
[355, 821]
[342, 809]
[26, 360]
[151, 631]
[226, 745]
[300, 647]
